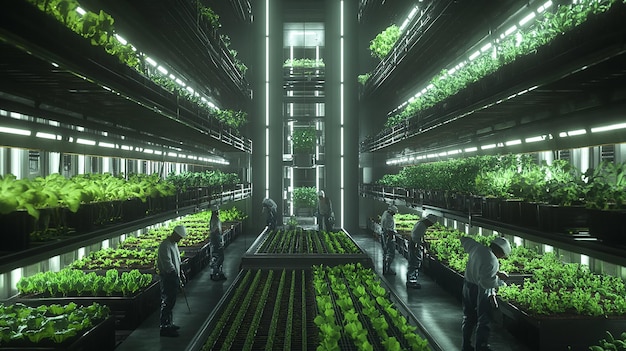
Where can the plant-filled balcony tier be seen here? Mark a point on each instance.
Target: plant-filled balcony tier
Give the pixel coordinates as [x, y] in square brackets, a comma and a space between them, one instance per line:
[131, 299]
[302, 249]
[445, 28]
[175, 36]
[595, 45]
[55, 327]
[344, 307]
[136, 106]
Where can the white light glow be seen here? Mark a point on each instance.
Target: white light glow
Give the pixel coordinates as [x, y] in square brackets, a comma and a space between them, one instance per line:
[471, 149]
[172, 154]
[162, 70]
[120, 39]
[608, 128]
[548, 248]
[584, 260]
[148, 151]
[474, 55]
[513, 142]
[487, 147]
[485, 47]
[527, 18]
[535, 139]
[107, 145]
[510, 30]
[126, 148]
[518, 241]
[573, 133]
[85, 141]
[81, 11]
[16, 131]
[151, 62]
[46, 135]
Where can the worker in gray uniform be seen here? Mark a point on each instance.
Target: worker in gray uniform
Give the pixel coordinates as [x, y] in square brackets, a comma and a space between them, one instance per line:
[216, 244]
[270, 209]
[388, 238]
[416, 249]
[482, 278]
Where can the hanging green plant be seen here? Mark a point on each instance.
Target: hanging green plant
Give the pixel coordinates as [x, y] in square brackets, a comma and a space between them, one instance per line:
[304, 140]
[304, 197]
[382, 44]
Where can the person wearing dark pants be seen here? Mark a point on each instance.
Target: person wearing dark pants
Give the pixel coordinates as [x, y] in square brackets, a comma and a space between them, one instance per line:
[216, 244]
[270, 209]
[324, 213]
[171, 279]
[416, 250]
[482, 278]
[388, 226]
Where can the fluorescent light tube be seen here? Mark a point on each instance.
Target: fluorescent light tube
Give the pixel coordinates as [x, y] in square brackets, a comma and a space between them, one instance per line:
[608, 128]
[85, 141]
[46, 135]
[14, 131]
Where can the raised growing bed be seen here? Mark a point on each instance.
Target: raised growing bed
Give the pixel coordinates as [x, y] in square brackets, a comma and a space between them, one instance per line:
[305, 310]
[129, 310]
[98, 337]
[301, 249]
[572, 332]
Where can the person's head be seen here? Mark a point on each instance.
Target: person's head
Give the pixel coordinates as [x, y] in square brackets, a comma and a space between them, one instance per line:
[321, 193]
[392, 209]
[500, 247]
[178, 233]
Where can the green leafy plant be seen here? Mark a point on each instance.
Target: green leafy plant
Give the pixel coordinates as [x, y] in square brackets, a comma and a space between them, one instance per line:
[363, 78]
[382, 44]
[304, 197]
[304, 140]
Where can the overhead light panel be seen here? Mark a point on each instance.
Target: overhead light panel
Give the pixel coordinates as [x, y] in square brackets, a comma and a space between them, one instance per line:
[162, 70]
[81, 11]
[471, 149]
[85, 141]
[609, 128]
[15, 131]
[513, 142]
[107, 145]
[527, 18]
[46, 135]
[572, 133]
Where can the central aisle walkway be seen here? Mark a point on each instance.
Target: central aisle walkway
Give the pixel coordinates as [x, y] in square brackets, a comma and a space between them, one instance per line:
[438, 311]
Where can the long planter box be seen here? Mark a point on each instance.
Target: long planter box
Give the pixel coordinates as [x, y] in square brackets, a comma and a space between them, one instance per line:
[252, 259]
[99, 338]
[554, 333]
[129, 312]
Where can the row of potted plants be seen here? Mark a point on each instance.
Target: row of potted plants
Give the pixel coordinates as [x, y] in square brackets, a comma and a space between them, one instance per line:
[544, 29]
[99, 29]
[47, 208]
[515, 189]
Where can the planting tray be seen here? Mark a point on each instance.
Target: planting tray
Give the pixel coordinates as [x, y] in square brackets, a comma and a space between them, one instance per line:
[256, 258]
[575, 333]
[99, 338]
[129, 311]
[232, 321]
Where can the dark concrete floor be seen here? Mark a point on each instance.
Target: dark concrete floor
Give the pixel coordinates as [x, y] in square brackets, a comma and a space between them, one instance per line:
[439, 312]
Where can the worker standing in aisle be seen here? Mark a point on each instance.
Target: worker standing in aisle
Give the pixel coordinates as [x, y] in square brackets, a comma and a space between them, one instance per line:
[388, 238]
[270, 209]
[482, 278]
[171, 278]
[324, 213]
[416, 249]
[216, 244]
